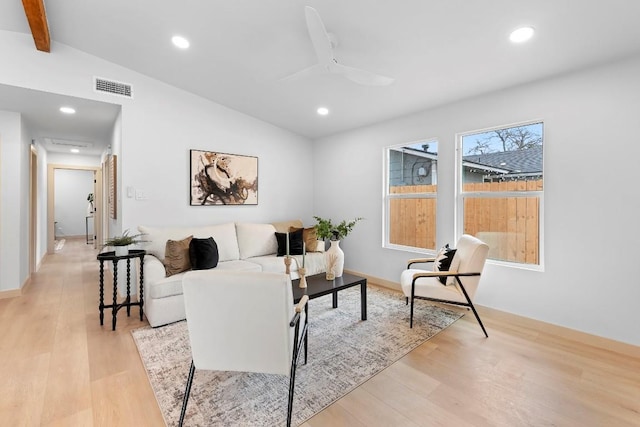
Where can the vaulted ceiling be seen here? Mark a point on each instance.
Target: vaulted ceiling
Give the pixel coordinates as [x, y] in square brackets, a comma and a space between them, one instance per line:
[438, 51]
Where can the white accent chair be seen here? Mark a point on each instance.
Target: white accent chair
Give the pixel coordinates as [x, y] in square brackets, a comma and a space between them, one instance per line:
[244, 321]
[466, 268]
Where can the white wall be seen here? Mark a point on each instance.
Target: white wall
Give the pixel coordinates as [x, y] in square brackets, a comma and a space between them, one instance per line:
[10, 142]
[590, 280]
[73, 160]
[42, 197]
[71, 188]
[157, 129]
[15, 140]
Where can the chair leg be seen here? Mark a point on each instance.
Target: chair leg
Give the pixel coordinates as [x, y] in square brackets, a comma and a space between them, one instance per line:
[406, 300]
[292, 384]
[478, 319]
[411, 315]
[192, 370]
[306, 346]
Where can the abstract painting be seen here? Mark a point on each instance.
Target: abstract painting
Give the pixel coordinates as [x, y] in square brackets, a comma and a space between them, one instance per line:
[223, 179]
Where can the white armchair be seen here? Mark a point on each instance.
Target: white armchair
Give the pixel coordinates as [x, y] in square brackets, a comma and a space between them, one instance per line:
[467, 264]
[244, 321]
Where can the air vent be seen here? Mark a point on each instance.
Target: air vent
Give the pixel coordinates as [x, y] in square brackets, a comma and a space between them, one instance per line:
[112, 87]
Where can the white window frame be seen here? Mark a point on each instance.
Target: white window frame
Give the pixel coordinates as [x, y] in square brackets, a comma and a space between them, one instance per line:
[387, 197]
[460, 195]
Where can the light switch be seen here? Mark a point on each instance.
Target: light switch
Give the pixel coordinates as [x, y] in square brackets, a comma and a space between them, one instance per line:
[130, 192]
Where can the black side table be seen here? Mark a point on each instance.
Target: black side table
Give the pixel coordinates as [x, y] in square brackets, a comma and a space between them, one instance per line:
[111, 256]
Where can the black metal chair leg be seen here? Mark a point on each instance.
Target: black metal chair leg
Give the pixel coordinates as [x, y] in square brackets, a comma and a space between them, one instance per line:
[306, 345]
[411, 315]
[478, 319]
[186, 393]
[406, 300]
[292, 383]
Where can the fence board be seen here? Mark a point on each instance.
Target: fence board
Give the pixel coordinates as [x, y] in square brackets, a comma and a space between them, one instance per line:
[510, 223]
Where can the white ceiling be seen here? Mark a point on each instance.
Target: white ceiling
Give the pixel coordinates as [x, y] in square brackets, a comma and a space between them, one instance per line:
[437, 50]
[90, 128]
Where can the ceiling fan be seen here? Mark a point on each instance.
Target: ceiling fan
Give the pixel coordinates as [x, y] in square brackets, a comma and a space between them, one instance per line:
[323, 44]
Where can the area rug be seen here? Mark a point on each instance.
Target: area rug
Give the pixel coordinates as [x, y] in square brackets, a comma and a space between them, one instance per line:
[344, 352]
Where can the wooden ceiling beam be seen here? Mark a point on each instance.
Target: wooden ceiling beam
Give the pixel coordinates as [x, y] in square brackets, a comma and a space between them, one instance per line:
[37, 17]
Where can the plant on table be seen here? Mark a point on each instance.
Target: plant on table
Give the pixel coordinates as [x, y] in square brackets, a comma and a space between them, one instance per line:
[325, 229]
[124, 240]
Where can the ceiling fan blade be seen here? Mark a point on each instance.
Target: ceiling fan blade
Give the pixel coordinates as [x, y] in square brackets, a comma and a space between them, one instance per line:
[319, 36]
[362, 77]
[314, 69]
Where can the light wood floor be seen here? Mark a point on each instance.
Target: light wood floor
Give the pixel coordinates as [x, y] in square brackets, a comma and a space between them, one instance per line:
[59, 367]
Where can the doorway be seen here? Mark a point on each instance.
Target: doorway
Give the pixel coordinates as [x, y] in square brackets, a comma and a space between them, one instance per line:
[75, 220]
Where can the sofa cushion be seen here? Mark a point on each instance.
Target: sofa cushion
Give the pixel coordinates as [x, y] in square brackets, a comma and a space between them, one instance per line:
[309, 237]
[295, 243]
[256, 239]
[284, 226]
[240, 265]
[203, 253]
[224, 235]
[172, 285]
[176, 258]
[167, 287]
[313, 263]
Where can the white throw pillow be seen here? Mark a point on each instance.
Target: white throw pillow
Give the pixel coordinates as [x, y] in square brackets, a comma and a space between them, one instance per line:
[256, 239]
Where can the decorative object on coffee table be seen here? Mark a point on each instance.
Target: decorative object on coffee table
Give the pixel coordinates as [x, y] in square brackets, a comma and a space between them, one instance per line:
[331, 264]
[287, 264]
[334, 257]
[303, 280]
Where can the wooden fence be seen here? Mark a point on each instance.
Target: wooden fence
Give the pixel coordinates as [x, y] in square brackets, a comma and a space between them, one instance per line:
[509, 225]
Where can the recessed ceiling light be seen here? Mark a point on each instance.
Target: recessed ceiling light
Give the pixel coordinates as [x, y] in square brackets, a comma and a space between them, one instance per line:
[521, 34]
[180, 42]
[75, 150]
[67, 110]
[323, 111]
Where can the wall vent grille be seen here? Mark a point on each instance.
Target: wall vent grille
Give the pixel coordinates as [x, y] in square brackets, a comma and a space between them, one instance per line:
[112, 87]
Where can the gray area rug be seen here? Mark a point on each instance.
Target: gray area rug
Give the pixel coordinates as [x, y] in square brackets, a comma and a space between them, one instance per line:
[344, 352]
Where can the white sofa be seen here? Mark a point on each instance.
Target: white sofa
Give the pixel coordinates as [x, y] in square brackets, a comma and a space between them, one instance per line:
[241, 247]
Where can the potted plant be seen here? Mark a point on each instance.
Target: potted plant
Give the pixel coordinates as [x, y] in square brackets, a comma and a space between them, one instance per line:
[121, 243]
[90, 205]
[326, 230]
[334, 257]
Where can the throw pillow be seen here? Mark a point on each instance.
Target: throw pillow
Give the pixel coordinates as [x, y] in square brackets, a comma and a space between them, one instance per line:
[309, 237]
[443, 261]
[203, 253]
[176, 256]
[295, 243]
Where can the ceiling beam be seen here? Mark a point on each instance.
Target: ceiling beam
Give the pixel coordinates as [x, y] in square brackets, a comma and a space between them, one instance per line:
[37, 18]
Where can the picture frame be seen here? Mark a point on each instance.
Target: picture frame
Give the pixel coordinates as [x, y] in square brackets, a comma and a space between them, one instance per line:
[112, 185]
[222, 179]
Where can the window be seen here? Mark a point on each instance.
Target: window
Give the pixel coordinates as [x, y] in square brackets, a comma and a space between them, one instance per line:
[410, 195]
[502, 190]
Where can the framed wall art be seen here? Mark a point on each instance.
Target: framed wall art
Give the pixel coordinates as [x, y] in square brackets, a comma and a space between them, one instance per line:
[223, 179]
[112, 184]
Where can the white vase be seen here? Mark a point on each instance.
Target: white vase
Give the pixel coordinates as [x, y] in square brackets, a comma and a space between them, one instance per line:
[122, 250]
[334, 256]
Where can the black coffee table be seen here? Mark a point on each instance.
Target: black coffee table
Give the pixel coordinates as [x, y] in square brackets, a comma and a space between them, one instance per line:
[318, 285]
